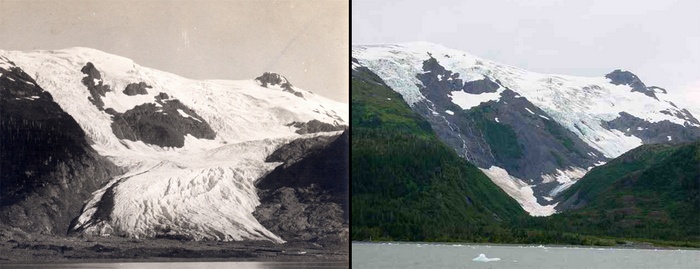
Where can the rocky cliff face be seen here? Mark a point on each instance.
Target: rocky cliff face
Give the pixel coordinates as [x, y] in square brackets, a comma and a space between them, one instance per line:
[48, 167]
[306, 198]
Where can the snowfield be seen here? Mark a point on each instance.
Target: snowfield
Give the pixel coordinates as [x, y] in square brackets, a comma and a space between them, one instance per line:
[204, 189]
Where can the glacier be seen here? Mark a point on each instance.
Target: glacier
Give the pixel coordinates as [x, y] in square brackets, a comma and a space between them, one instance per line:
[204, 190]
[582, 105]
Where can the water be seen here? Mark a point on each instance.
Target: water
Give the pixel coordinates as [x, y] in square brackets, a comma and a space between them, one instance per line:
[425, 255]
[183, 265]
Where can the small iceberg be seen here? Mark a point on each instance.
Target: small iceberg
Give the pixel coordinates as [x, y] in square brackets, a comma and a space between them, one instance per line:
[482, 258]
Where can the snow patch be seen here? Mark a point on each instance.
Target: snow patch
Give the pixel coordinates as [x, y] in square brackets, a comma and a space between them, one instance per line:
[565, 178]
[519, 190]
[497, 119]
[449, 112]
[185, 115]
[467, 100]
[669, 137]
[541, 116]
[528, 110]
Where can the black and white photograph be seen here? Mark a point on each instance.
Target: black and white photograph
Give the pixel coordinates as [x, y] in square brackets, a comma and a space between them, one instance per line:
[178, 134]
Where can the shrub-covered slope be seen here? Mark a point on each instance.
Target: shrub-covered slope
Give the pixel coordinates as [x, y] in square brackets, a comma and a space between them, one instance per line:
[406, 183]
[650, 192]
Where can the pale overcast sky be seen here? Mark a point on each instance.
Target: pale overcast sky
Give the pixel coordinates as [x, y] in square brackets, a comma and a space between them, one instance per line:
[305, 40]
[659, 41]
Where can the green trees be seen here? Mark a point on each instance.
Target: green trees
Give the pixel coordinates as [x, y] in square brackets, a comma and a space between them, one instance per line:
[408, 185]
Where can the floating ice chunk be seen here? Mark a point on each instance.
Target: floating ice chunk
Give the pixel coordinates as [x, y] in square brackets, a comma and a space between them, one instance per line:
[482, 258]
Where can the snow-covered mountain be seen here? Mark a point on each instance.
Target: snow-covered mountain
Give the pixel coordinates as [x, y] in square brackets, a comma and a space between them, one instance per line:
[533, 134]
[191, 150]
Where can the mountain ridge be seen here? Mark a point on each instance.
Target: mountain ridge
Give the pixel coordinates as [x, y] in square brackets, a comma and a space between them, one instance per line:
[562, 125]
[127, 113]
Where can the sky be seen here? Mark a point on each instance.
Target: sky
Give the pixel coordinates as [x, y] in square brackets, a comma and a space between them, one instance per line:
[306, 41]
[659, 41]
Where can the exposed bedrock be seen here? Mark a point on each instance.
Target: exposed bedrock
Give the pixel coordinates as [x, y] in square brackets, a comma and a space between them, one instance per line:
[306, 198]
[136, 89]
[48, 166]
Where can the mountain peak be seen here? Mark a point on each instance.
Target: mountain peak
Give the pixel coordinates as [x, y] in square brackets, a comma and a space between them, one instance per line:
[272, 79]
[624, 77]
[269, 79]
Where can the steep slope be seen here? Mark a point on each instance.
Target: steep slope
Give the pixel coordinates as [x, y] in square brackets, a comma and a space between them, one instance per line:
[652, 191]
[47, 167]
[532, 134]
[184, 145]
[408, 185]
[307, 198]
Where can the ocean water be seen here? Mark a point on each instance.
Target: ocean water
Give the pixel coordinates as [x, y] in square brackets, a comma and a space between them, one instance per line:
[184, 265]
[429, 255]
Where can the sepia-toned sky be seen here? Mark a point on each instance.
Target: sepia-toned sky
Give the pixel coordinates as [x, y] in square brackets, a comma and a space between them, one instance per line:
[659, 41]
[305, 40]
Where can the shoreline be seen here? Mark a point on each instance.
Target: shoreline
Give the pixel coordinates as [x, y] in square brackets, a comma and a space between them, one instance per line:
[637, 245]
[43, 249]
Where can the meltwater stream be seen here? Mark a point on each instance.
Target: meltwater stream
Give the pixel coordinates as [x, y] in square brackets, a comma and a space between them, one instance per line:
[433, 255]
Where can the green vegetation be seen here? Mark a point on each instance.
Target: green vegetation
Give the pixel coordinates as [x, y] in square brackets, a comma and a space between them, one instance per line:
[651, 192]
[500, 137]
[557, 131]
[408, 185]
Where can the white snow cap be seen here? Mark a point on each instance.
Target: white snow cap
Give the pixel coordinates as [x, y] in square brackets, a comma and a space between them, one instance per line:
[579, 104]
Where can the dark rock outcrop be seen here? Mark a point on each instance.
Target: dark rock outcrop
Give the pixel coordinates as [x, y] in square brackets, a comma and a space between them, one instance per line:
[480, 86]
[93, 81]
[511, 133]
[137, 88]
[48, 167]
[315, 126]
[306, 199]
[655, 132]
[621, 77]
[268, 78]
[164, 123]
[162, 96]
[163, 126]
